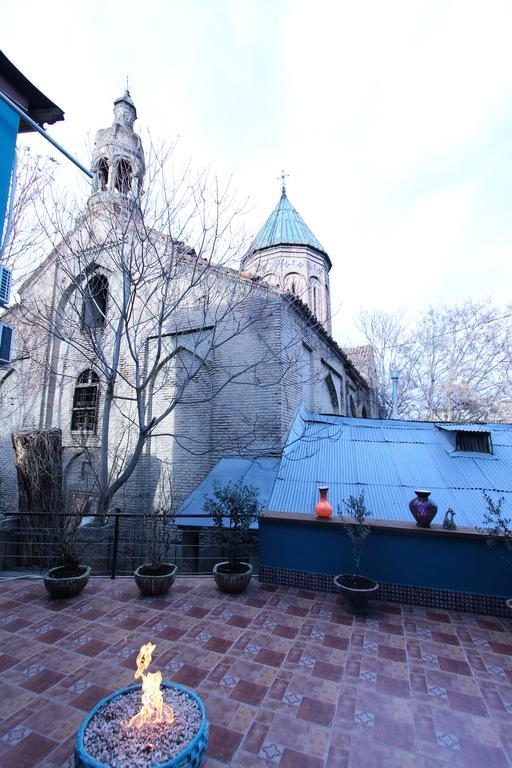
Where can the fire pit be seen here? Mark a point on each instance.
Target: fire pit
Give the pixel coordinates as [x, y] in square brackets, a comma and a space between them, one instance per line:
[170, 729]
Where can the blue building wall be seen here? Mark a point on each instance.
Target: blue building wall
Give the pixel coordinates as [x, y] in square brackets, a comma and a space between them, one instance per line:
[9, 122]
[415, 558]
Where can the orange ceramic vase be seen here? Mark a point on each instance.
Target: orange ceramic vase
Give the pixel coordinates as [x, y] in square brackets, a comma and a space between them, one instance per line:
[323, 508]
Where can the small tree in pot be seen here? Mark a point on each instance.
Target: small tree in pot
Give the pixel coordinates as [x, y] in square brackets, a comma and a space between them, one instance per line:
[157, 576]
[497, 529]
[356, 589]
[239, 504]
[47, 530]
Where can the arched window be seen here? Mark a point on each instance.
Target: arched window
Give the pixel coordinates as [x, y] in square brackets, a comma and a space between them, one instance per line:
[102, 171]
[123, 177]
[316, 304]
[364, 414]
[95, 303]
[330, 403]
[85, 402]
[295, 283]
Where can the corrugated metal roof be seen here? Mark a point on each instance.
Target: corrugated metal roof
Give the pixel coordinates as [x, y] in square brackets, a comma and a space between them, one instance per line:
[463, 427]
[259, 472]
[389, 459]
[285, 226]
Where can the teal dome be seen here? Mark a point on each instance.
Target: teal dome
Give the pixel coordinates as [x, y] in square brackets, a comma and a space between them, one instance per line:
[285, 226]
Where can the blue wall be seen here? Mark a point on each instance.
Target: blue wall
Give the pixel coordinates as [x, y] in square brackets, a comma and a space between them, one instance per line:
[9, 122]
[415, 558]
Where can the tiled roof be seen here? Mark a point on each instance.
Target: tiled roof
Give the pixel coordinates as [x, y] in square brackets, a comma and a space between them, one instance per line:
[285, 226]
[363, 359]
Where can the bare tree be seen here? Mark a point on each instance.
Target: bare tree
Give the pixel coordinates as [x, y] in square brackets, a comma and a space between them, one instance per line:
[455, 362]
[124, 299]
[27, 239]
[388, 335]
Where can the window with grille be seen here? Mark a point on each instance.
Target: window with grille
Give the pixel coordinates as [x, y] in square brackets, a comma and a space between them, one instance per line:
[95, 303]
[477, 442]
[85, 403]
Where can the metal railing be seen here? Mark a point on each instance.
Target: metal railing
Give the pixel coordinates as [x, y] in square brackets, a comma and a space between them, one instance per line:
[114, 546]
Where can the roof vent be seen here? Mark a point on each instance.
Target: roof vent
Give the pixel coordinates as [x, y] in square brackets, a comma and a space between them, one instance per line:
[476, 442]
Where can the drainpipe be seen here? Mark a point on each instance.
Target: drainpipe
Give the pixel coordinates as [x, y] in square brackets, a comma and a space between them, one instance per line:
[395, 375]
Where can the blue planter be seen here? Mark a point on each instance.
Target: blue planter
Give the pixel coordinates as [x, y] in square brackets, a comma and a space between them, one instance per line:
[190, 757]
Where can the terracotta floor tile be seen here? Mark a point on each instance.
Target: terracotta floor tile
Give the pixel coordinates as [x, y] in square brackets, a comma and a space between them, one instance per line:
[189, 675]
[7, 661]
[316, 711]
[393, 732]
[274, 666]
[463, 702]
[391, 685]
[255, 737]
[293, 759]
[391, 653]
[327, 671]
[284, 630]
[27, 752]
[454, 665]
[272, 658]
[88, 698]
[222, 743]
[249, 692]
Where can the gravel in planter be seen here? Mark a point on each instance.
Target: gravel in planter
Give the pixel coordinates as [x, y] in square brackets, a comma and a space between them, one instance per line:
[110, 740]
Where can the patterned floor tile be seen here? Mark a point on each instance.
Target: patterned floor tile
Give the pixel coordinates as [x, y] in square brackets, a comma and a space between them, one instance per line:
[287, 676]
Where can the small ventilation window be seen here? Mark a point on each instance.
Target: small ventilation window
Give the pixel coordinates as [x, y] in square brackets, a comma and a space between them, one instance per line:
[475, 442]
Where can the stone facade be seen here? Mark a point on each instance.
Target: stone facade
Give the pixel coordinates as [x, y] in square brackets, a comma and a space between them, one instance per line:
[251, 350]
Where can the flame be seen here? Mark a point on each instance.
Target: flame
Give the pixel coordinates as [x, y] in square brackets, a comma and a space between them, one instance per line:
[153, 709]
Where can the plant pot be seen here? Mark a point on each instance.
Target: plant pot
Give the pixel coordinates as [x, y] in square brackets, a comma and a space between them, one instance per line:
[356, 590]
[190, 757]
[232, 583]
[323, 508]
[157, 582]
[60, 584]
[422, 509]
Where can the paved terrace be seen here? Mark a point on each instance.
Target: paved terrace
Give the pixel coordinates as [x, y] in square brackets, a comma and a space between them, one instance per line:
[288, 678]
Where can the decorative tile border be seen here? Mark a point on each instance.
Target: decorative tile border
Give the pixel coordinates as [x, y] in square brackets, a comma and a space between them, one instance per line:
[396, 593]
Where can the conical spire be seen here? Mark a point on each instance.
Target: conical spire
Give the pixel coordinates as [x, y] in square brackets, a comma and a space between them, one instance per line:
[285, 226]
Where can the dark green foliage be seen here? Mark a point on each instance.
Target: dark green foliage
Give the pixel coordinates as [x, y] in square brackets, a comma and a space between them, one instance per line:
[239, 503]
[358, 529]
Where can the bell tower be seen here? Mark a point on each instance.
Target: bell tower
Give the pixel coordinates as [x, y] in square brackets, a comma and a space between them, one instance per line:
[118, 158]
[286, 254]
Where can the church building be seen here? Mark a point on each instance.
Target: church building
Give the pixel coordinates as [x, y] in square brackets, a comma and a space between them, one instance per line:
[157, 357]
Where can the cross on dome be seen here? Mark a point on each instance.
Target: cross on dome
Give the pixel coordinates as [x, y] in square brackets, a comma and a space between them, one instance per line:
[282, 178]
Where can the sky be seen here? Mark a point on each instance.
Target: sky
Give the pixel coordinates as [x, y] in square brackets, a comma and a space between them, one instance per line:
[393, 121]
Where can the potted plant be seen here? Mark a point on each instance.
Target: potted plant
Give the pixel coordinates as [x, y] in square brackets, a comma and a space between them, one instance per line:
[356, 589]
[48, 528]
[497, 529]
[70, 577]
[233, 509]
[157, 575]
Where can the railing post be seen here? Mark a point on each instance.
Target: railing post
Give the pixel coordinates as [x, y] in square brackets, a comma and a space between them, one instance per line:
[116, 542]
